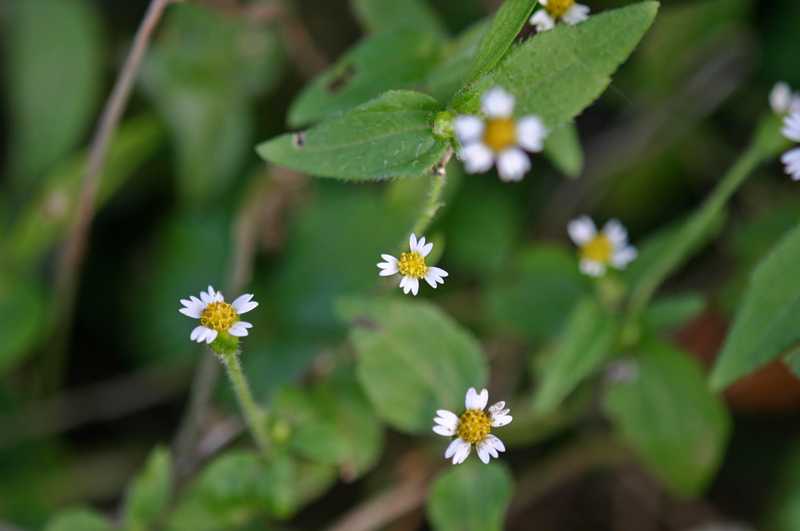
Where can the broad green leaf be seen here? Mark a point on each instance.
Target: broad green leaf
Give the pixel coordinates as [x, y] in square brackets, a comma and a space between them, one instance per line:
[563, 149]
[504, 28]
[54, 65]
[332, 423]
[203, 74]
[535, 297]
[585, 345]
[391, 136]
[672, 311]
[412, 359]
[396, 59]
[22, 317]
[667, 412]
[450, 75]
[150, 492]
[558, 73]
[768, 319]
[78, 520]
[45, 218]
[471, 497]
[377, 16]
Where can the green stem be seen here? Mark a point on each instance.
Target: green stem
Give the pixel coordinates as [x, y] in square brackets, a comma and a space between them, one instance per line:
[256, 416]
[693, 230]
[434, 204]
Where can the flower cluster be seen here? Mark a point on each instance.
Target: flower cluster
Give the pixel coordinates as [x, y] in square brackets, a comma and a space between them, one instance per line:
[558, 11]
[787, 104]
[412, 266]
[218, 319]
[598, 250]
[473, 427]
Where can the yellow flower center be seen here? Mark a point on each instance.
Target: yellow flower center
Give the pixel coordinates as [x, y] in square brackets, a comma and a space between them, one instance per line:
[598, 249]
[474, 426]
[219, 316]
[412, 264]
[500, 133]
[557, 8]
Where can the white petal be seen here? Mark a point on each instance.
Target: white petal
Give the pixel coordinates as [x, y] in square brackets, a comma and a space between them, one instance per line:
[208, 298]
[531, 133]
[794, 104]
[497, 103]
[616, 233]
[792, 161]
[438, 271]
[483, 399]
[512, 164]
[446, 418]
[791, 127]
[243, 304]
[244, 324]
[592, 268]
[388, 269]
[455, 448]
[471, 401]
[434, 275]
[501, 419]
[582, 230]
[542, 20]
[624, 256]
[211, 335]
[478, 158]
[498, 406]
[780, 97]
[238, 330]
[424, 250]
[446, 431]
[197, 333]
[469, 128]
[462, 452]
[495, 442]
[191, 312]
[483, 451]
[412, 242]
[414, 282]
[405, 283]
[576, 13]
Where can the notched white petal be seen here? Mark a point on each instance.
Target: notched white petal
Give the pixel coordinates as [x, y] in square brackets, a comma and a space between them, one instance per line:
[581, 230]
[497, 103]
[469, 128]
[512, 164]
[542, 20]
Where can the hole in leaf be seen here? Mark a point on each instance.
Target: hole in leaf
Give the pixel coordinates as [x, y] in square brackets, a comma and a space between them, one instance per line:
[340, 80]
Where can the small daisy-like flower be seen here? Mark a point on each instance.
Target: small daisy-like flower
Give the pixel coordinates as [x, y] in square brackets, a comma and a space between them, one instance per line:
[783, 100]
[473, 427]
[412, 266]
[217, 316]
[500, 137]
[791, 159]
[558, 10]
[598, 250]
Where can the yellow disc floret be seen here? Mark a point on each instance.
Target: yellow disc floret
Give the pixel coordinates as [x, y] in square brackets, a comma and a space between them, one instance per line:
[412, 264]
[598, 249]
[557, 8]
[474, 426]
[500, 133]
[219, 316]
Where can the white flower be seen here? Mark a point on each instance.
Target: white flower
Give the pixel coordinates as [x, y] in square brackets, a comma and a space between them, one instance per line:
[791, 159]
[554, 10]
[473, 427]
[499, 137]
[782, 100]
[412, 266]
[599, 250]
[217, 316]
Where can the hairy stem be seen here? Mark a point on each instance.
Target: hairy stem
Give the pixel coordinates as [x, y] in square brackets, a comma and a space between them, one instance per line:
[438, 180]
[255, 415]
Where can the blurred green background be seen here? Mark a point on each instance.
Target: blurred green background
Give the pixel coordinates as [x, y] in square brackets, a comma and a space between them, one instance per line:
[185, 202]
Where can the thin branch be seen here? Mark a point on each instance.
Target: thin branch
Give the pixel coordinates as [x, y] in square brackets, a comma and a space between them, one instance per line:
[70, 260]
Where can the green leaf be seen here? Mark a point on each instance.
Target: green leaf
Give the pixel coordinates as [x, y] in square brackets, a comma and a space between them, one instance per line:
[149, 493]
[332, 423]
[470, 497]
[53, 82]
[667, 412]
[672, 311]
[767, 322]
[585, 345]
[448, 77]
[203, 74]
[22, 317]
[45, 218]
[377, 16]
[563, 149]
[558, 73]
[504, 28]
[391, 136]
[535, 298]
[412, 359]
[78, 520]
[396, 59]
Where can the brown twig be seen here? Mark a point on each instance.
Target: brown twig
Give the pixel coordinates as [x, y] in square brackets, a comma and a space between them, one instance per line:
[71, 257]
